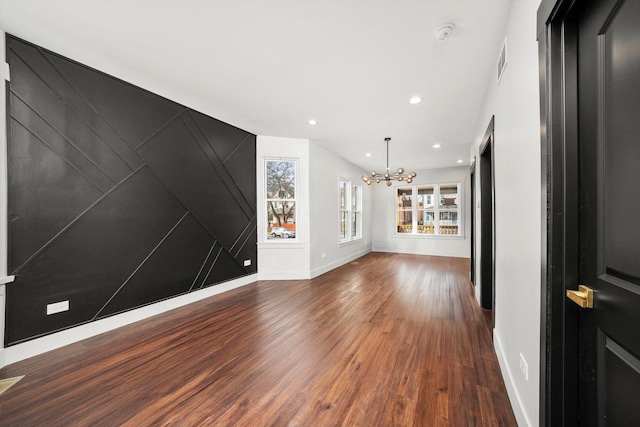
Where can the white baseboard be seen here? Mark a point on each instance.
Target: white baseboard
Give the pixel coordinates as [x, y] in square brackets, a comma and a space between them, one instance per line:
[326, 268]
[413, 251]
[514, 397]
[285, 275]
[50, 342]
[2, 300]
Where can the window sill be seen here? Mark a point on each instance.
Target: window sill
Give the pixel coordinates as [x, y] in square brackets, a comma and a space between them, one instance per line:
[342, 243]
[292, 244]
[427, 236]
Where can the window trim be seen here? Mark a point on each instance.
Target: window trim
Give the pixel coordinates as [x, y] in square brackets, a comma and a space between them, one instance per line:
[349, 187]
[436, 210]
[295, 200]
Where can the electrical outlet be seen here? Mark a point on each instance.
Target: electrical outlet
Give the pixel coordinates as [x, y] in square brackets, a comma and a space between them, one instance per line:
[524, 368]
[247, 262]
[324, 254]
[57, 307]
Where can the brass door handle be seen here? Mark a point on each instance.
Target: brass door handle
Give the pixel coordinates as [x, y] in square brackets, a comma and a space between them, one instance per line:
[583, 296]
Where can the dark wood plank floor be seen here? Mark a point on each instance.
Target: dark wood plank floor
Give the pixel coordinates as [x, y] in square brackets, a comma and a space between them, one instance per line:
[388, 340]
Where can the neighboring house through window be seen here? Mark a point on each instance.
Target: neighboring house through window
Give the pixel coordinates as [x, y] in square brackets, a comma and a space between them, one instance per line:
[429, 209]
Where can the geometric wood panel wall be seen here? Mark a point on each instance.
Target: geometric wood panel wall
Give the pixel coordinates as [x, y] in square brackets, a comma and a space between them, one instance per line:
[118, 197]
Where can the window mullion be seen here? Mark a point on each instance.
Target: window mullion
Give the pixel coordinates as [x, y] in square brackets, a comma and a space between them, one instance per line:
[348, 209]
[414, 210]
[436, 209]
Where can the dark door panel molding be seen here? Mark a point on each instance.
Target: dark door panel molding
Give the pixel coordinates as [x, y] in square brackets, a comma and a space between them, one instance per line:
[588, 83]
[559, 234]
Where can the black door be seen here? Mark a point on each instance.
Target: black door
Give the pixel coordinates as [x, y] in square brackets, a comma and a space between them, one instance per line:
[608, 56]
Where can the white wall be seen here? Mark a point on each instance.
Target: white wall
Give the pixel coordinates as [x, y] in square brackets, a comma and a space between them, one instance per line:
[286, 258]
[317, 217]
[515, 104]
[385, 238]
[326, 169]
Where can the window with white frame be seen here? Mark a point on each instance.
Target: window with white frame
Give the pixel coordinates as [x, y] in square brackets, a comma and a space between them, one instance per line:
[350, 211]
[280, 179]
[433, 209]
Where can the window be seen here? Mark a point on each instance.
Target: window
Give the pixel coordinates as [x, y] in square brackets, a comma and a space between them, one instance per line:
[428, 209]
[356, 202]
[350, 211]
[281, 199]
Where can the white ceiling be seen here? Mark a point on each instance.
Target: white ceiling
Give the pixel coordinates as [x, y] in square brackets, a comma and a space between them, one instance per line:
[268, 66]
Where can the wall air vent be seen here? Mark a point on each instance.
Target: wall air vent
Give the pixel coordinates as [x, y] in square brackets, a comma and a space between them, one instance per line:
[502, 61]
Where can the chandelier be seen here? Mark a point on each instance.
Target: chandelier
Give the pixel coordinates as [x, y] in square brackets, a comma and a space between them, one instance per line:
[388, 176]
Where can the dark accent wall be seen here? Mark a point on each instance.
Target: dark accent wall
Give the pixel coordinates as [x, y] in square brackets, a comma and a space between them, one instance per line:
[118, 197]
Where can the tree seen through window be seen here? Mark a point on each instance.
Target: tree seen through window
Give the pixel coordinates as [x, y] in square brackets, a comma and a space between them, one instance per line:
[281, 198]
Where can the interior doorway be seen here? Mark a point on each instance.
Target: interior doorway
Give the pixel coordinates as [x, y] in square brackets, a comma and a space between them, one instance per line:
[472, 273]
[487, 221]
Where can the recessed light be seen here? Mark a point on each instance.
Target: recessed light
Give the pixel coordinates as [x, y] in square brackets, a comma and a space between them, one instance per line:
[313, 122]
[460, 161]
[415, 100]
[368, 154]
[444, 31]
[437, 145]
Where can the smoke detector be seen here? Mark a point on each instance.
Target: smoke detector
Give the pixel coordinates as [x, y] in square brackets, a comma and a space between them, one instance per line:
[444, 31]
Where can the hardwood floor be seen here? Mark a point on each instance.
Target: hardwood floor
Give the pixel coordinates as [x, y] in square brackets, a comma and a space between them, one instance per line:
[387, 340]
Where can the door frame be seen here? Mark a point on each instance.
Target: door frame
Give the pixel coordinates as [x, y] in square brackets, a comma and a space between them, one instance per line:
[559, 232]
[472, 176]
[488, 221]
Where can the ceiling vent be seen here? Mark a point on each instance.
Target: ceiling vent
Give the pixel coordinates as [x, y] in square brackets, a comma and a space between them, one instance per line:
[502, 61]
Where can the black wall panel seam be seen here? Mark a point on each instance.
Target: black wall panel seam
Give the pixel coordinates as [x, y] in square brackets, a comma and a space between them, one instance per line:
[249, 224]
[253, 229]
[70, 225]
[181, 204]
[71, 165]
[140, 265]
[236, 149]
[204, 280]
[115, 153]
[60, 134]
[160, 129]
[227, 177]
[86, 101]
[195, 280]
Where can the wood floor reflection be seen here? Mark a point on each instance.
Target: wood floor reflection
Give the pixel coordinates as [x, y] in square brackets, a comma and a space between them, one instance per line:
[387, 340]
